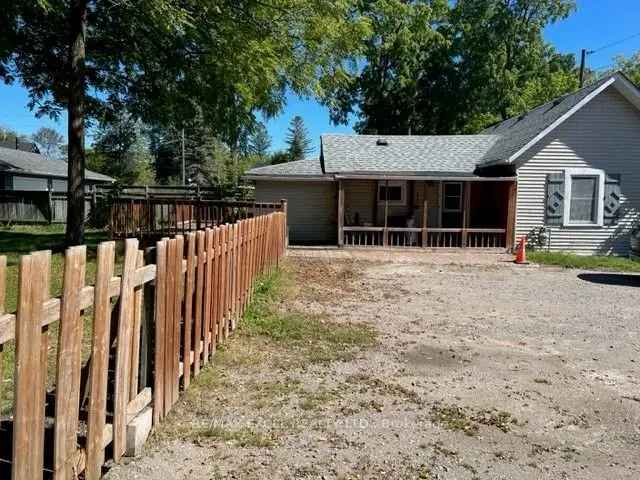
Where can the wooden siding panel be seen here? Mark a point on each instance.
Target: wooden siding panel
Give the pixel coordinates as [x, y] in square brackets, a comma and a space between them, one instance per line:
[605, 135]
[312, 209]
[359, 199]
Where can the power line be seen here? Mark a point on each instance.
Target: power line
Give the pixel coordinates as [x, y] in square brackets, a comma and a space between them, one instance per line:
[603, 67]
[617, 42]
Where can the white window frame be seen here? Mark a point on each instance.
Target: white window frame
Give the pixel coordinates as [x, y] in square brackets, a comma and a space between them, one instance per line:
[393, 183]
[444, 189]
[583, 172]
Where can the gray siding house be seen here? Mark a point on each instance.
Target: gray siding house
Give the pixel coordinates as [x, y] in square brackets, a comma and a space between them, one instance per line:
[570, 166]
[21, 170]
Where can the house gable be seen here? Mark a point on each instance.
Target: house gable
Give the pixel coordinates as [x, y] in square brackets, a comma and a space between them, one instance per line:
[605, 135]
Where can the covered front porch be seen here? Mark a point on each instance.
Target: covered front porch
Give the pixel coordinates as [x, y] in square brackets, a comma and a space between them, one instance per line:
[476, 212]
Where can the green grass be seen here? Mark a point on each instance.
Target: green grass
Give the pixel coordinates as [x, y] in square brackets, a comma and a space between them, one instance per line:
[20, 240]
[568, 260]
[313, 336]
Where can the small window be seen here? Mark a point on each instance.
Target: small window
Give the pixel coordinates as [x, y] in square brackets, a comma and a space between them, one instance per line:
[583, 192]
[452, 197]
[584, 201]
[395, 192]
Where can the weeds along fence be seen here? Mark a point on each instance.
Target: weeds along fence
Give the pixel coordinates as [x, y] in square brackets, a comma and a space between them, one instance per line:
[152, 330]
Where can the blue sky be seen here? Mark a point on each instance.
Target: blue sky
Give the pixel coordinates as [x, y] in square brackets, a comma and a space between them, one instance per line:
[597, 23]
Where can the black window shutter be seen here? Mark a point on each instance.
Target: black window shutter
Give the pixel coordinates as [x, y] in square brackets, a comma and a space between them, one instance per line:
[555, 199]
[612, 194]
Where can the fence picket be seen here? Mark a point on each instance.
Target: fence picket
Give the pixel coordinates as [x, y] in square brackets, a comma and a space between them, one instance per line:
[160, 333]
[220, 283]
[208, 292]
[134, 378]
[99, 361]
[68, 364]
[188, 309]
[197, 328]
[125, 324]
[169, 333]
[177, 319]
[215, 306]
[28, 426]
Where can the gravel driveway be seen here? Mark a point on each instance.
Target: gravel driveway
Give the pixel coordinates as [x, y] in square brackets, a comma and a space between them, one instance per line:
[482, 370]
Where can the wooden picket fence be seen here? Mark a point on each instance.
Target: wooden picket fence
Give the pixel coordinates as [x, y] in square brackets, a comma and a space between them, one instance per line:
[166, 322]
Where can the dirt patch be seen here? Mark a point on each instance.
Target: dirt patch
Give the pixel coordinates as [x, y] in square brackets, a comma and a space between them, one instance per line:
[478, 371]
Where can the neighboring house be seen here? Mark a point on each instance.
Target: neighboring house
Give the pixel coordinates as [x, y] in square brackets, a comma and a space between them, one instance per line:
[23, 170]
[571, 165]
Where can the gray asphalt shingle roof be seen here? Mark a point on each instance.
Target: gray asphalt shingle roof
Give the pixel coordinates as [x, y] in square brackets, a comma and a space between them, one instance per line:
[516, 132]
[21, 162]
[417, 154]
[309, 167]
[433, 155]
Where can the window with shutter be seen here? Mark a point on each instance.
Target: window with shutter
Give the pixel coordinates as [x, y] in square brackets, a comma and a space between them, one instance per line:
[584, 199]
[612, 199]
[555, 199]
[583, 193]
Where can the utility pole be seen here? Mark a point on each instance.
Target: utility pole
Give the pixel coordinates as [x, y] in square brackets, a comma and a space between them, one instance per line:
[583, 61]
[184, 170]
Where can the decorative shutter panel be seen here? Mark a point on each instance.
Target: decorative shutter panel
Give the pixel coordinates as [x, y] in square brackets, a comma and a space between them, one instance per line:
[555, 199]
[612, 196]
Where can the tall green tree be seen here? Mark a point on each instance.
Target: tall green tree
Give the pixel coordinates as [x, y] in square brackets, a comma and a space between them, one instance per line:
[279, 157]
[298, 141]
[630, 66]
[165, 60]
[260, 142]
[121, 150]
[440, 67]
[500, 50]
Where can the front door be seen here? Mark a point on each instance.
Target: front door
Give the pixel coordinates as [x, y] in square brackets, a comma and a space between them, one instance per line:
[451, 202]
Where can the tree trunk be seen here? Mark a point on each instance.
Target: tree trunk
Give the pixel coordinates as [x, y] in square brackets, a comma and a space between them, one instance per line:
[75, 110]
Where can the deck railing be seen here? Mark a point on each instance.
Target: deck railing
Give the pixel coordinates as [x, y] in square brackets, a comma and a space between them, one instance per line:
[424, 238]
[159, 217]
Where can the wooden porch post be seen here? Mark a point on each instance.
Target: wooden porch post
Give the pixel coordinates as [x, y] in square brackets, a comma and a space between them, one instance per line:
[385, 233]
[466, 210]
[425, 211]
[340, 213]
[511, 216]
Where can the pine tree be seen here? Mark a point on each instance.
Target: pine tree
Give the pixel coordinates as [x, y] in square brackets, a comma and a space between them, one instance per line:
[298, 140]
[260, 142]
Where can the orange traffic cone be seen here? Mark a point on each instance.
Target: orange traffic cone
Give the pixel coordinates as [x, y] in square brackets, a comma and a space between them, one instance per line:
[521, 255]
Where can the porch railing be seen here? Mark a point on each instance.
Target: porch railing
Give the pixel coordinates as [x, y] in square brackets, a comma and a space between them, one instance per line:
[424, 237]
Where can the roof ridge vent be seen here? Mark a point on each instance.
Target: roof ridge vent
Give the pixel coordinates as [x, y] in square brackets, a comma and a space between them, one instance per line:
[382, 142]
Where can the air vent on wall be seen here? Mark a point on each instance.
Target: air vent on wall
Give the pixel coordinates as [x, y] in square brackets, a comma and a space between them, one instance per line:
[382, 141]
